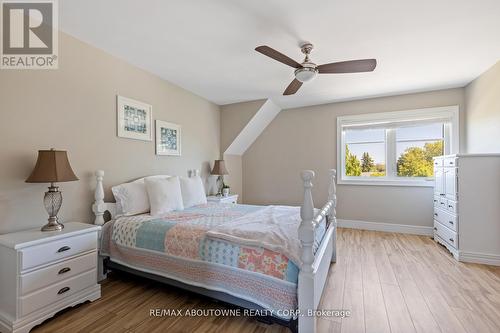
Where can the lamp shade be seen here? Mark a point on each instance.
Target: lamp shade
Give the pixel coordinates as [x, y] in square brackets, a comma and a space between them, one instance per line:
[52, 166]
[219, 168]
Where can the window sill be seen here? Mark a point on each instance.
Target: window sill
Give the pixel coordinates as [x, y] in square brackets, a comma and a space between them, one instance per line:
[387, 182]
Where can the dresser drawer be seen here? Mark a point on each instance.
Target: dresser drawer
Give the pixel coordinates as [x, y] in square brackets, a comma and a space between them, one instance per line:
[446, 218]
[450, 162]
[438, 162]
[452, 206]
[449, 236]
[57, 292]
[45, 253]
[443, 203]
[49, 275]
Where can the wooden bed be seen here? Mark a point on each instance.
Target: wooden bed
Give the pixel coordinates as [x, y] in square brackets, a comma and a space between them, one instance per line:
[312, 273]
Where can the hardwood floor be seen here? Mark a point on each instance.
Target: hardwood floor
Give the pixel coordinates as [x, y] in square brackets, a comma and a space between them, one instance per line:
[390, 283]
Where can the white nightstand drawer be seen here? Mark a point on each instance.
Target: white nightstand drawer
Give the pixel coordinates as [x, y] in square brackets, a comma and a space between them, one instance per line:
[232, 199]
[49, 275]
[57, 292]
[45, 253]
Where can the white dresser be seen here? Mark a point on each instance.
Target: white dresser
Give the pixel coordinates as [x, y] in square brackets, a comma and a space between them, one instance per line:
[467, 206]
[42, 273]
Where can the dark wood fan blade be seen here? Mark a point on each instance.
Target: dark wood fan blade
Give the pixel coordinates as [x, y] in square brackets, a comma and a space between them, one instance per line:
[292, 87]
[353, 66]
[272, 53]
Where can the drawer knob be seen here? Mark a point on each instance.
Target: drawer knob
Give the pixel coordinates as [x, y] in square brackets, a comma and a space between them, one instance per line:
[435, 200]
[450, 206]
[435, 229]
[451, 222]
[64, 270]
[63, 290]
[435, 214]
[451, 240]
[63, 249]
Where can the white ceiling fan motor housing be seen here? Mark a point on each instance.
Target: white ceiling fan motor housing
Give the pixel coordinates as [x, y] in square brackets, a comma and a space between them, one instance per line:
[306, 73]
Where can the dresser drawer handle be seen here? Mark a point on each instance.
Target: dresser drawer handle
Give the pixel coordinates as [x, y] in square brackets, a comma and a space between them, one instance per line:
[435, 200]
[442, 194]
[451, 222]
[63, 249]
[435, 229]
[64, 270]
[450, 206]
[63, 290]
[451, 240]
[435, 214]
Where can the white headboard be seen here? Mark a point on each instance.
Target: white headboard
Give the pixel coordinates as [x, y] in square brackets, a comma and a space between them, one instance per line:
[100, 207]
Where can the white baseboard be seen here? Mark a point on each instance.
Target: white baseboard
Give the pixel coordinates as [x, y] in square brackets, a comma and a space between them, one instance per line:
[387, 227]
[479, 258]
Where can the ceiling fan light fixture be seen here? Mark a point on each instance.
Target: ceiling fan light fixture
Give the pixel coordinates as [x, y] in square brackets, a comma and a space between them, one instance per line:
[305, 74]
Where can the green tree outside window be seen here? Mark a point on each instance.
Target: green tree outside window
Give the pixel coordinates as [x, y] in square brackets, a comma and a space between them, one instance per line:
[367, 163]
[417, 162]
[352, 164]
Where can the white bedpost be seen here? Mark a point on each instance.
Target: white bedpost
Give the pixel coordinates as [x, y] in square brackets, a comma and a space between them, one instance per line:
[307, 324]
[332, 196]
[99, 207]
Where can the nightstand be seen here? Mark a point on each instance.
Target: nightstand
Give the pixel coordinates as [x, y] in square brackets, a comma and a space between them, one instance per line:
[42, 273]
[232, 198]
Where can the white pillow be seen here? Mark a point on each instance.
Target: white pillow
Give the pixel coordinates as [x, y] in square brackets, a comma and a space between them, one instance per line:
[131, 198]
[193, 192]
[164, 195]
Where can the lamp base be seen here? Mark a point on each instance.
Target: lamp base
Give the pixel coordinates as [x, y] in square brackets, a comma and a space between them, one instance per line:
[53, 201]
[220, 185]
[53, 225]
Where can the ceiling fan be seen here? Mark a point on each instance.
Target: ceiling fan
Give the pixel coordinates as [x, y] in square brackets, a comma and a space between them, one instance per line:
[307, 70]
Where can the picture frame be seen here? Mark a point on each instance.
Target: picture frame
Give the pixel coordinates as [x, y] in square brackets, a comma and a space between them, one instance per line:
[134, 119]
[168, 138]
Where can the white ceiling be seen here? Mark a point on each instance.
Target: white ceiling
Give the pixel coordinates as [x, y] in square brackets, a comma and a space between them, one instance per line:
[207, 47]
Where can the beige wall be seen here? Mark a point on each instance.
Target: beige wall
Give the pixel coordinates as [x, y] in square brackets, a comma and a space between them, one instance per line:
[483, 112]
[235, 177]
[74, 108]
[305, 138]
[234, 118]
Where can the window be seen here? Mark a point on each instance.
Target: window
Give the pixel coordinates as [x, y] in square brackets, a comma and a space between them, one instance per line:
[395, 148]
[365, 152]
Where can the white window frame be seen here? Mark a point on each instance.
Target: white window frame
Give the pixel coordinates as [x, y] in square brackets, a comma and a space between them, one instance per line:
[448, 114]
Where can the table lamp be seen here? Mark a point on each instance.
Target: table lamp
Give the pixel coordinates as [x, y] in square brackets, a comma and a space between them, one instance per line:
[52, 166]
[220, 170]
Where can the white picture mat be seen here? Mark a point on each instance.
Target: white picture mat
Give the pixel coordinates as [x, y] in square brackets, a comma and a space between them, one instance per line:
[159, 149]
[120, 105]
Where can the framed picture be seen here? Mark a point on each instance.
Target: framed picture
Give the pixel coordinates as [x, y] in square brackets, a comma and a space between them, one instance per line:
[168, 138]
[135, 119]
